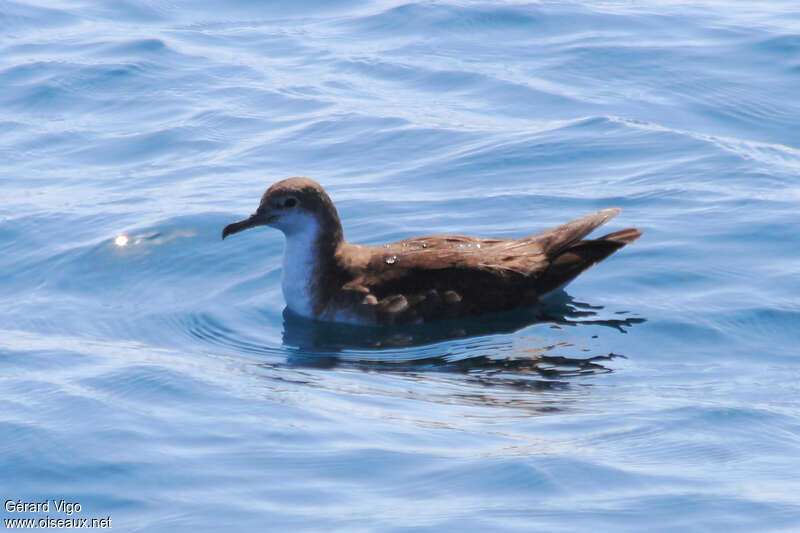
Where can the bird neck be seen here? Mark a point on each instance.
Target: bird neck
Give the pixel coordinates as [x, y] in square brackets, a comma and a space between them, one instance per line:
[308, 259]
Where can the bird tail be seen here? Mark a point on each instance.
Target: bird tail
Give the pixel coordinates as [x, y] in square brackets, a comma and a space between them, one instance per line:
[580, 256]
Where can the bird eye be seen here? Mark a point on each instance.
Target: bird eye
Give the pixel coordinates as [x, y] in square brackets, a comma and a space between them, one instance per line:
[290, 202]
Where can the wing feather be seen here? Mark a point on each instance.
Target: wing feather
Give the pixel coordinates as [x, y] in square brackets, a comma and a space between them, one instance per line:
[454, 275]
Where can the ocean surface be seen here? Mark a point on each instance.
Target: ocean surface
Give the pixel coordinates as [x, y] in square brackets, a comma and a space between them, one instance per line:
[149, 374]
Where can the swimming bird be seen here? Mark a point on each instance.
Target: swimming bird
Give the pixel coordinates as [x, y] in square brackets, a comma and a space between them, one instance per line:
[422, 278]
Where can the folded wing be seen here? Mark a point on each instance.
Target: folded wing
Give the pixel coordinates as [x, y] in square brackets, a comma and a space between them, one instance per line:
[453, 275]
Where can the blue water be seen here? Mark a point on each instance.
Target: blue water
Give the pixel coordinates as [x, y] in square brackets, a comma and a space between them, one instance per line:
[159, 383]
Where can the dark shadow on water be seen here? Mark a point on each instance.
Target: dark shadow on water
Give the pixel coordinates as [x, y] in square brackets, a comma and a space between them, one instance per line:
[559, 310]
[481, 348]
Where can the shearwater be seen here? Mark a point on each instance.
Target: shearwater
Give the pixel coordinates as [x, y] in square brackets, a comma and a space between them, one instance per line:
[419, 279]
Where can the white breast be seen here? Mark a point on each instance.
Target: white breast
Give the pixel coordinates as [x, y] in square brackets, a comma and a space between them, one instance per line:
[298, 267]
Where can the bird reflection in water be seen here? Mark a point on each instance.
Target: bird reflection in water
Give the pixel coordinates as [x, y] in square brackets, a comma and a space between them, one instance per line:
[484, 348]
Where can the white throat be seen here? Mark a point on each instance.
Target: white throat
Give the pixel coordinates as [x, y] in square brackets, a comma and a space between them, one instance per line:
[299, 260]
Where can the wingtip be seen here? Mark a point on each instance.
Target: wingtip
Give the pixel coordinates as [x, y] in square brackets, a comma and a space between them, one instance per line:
[625, 236]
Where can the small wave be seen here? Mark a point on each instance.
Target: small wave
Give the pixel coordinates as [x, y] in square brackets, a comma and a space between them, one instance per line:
[211, 332]
[777, 155]
[20, 16]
